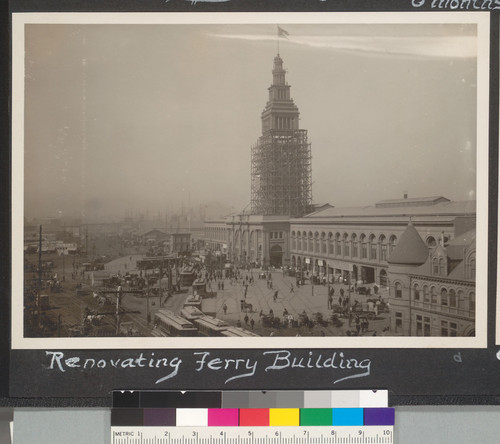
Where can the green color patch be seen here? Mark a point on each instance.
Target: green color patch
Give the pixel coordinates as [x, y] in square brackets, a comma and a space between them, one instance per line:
[316, 417]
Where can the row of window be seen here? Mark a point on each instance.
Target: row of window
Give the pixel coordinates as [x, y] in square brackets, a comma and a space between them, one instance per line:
[343, 248]
[304, 241]
[430, 241]
[423, 326]
[445, 298]
[217, 233]
[440, 266]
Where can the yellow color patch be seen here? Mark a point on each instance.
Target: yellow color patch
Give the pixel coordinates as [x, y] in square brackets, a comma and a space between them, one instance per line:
[284, 417]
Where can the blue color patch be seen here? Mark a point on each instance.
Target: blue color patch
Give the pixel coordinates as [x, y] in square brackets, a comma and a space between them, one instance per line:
[347, 417]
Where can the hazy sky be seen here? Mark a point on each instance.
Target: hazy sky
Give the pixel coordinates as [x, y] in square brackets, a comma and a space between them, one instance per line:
[136, 117]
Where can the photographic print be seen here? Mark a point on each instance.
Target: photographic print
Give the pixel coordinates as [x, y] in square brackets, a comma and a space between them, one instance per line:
[250, 180]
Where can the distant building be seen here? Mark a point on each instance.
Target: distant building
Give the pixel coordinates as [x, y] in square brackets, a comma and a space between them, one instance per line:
[180, 243]
[100, 278]
[432, 291]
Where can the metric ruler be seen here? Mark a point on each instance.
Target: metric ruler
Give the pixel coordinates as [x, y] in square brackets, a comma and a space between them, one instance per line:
[253, 435]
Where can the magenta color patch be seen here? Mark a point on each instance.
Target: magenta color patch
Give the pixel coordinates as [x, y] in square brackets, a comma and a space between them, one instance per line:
[223, 417]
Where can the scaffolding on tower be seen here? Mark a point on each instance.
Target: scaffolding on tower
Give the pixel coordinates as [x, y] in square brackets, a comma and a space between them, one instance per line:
[281, 171]
[281, 161]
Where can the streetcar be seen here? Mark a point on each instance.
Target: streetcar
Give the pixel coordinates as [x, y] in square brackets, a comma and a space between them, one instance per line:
[190, 312]
[187, 276]
[193, 300]
[173, 325]
[209, 326]
[200, 287]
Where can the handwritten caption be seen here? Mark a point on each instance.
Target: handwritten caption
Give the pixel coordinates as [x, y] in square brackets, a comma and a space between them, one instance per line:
[195, 2]
[467, 5]
[340, 366]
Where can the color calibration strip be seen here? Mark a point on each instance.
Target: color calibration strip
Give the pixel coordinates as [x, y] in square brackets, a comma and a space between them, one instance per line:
[251, 417]
[251, 399]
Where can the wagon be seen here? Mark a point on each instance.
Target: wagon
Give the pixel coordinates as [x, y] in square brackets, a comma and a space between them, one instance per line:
[364, 313]
[318, 319]
[245, 306]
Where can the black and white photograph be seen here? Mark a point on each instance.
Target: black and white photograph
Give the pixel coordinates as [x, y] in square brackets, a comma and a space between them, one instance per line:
[250, 180]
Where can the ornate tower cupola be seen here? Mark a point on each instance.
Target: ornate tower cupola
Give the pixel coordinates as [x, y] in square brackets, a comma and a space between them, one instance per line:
[280, 111]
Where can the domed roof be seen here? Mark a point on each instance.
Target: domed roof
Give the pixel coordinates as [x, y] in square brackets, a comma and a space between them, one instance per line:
[410, 250]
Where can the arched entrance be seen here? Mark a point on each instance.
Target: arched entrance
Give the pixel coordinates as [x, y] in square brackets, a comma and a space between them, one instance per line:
[276, 256]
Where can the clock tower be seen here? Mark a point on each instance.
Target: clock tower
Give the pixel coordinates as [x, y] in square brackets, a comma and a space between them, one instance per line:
[281, 159]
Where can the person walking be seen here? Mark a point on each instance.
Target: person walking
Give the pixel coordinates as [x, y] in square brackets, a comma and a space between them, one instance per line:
[275, 296]
[224, 307]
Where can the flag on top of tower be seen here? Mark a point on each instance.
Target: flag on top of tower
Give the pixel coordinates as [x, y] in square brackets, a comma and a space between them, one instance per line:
[282, 33]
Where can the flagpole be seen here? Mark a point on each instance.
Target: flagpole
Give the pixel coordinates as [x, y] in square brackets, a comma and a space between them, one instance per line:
[278, 39]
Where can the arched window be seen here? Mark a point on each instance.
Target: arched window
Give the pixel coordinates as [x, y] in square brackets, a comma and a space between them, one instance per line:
[316, 242]
[434, 298]
[472, 302]
[471, 266]
[345, 241]
[392, 243]
[299, 241]
[364, 247]
[461, 301]
[323, 243]
[398, 290]
[426, 294]
[452, 297]
[354, 241]
[338, 246]
[310, 242]
[383, 248]
[330, 243]
[431, 242]
[444, 297]
[435, 268]
[441, 267]
[472, 269]
[373, 247]
[416, 293]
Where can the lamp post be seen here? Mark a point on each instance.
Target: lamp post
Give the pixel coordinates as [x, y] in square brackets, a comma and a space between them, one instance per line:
[148, 316]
